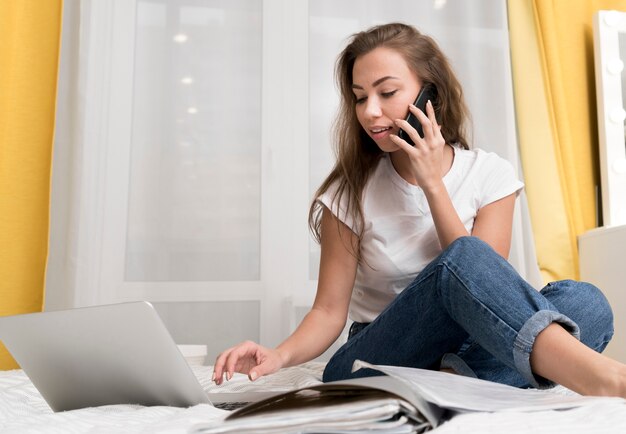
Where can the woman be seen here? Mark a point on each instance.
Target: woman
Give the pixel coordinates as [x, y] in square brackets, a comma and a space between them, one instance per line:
[414, 241]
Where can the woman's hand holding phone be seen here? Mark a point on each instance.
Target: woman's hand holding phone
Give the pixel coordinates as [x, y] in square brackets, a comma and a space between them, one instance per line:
[428, 92]
[426, 155]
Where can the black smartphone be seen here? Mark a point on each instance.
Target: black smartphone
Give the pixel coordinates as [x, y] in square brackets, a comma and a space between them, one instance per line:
[428, 92]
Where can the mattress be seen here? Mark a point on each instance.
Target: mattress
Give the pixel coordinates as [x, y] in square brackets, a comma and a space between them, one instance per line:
[23, 410]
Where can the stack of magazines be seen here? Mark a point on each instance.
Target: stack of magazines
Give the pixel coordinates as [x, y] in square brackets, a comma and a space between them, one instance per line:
[405, 400]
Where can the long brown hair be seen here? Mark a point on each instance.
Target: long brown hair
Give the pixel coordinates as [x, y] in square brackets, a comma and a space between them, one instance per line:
[356, 153]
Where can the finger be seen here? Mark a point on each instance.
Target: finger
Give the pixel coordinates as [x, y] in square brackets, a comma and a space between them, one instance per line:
[269, 365]
[259, 371]
[412, 132]
[402, 144]
[218, 368]
[430, 111]
[221, 368]
[245, 350]
[427, 124]
[229, 365]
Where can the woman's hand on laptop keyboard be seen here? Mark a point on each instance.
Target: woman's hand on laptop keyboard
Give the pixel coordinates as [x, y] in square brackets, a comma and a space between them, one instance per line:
[247, 358]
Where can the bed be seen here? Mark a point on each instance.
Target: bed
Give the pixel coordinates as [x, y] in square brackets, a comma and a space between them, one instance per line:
[23, 410]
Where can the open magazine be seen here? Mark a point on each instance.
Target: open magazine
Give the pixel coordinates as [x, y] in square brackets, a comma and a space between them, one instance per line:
[405, 400]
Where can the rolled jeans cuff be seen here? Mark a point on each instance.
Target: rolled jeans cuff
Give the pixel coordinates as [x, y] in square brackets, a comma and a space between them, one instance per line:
[523, 345]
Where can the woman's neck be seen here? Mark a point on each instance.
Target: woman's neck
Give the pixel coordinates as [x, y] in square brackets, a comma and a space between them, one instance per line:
[402, 164]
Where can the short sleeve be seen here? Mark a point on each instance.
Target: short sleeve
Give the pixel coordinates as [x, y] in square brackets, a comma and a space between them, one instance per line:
[497, 180]
[337, 205]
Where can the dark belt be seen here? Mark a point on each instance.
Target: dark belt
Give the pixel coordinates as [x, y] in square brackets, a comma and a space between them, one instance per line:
[355, 328]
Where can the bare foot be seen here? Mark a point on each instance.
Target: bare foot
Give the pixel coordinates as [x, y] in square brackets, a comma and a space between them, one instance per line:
[612, 381]
[560, 357]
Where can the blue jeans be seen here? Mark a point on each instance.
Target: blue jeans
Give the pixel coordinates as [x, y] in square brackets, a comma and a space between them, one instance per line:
[469, 310]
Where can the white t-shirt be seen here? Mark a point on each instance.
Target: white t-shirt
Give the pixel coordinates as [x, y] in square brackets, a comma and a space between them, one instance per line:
[399, 236]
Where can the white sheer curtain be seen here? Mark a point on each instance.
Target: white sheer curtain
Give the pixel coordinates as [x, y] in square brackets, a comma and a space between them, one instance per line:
[194, 186]
[156, 182]
[191, 135]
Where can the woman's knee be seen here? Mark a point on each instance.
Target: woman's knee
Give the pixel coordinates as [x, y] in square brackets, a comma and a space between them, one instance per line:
[587, 306]
[466, 250]
[467, 244]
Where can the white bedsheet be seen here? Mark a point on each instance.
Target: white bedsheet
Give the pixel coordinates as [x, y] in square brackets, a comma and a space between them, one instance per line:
[23, 410]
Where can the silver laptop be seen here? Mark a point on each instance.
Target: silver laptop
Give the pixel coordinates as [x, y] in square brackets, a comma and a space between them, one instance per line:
[111, 354]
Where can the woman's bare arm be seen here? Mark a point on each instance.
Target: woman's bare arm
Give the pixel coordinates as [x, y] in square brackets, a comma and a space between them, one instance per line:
[320, 327]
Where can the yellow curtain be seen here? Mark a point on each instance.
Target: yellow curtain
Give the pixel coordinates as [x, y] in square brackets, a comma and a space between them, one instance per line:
[29, 57]
[554, 87]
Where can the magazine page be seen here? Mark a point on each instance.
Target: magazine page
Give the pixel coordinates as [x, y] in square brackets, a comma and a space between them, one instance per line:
[464, 394]
[403, 400]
